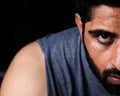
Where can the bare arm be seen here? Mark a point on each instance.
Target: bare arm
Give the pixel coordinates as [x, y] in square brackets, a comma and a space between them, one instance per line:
[26, 73]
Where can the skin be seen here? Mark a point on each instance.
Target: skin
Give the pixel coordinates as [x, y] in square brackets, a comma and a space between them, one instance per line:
[30, 80]
[105, 56]
[26, 73]
[104, 51]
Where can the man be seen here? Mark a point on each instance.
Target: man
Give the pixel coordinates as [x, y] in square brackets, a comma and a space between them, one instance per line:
[80, 61]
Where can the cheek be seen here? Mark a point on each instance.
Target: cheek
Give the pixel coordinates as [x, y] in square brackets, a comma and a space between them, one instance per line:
[97, 53]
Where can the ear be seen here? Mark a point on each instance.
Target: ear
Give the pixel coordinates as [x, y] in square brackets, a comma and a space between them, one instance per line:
[78, 23]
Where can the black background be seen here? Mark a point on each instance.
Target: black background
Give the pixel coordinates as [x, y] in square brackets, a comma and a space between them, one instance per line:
[23, 21]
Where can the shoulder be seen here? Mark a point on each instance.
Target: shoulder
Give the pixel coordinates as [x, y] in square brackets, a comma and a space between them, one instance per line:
[27, 72]
[66, 33]
[67, 36]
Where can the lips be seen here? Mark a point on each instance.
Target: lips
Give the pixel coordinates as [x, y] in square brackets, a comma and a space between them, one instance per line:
[114, 79]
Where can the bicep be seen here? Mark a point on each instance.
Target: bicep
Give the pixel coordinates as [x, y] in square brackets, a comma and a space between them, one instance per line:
[26, 74]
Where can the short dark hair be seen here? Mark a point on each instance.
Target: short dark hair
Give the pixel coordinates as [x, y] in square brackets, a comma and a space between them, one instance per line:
[83, 7]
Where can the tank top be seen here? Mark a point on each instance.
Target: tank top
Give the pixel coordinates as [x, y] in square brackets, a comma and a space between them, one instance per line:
[67, 70]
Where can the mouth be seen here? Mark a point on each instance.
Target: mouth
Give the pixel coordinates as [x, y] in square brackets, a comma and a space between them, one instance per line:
[114, 79]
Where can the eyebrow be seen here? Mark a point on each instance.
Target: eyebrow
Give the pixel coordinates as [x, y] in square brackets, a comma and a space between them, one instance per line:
[98, 32]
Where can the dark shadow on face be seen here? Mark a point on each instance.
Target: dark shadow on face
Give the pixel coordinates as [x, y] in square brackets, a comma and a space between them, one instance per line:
[112, 88]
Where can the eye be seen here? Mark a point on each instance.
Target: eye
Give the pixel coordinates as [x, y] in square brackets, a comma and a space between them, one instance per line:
[105, 38]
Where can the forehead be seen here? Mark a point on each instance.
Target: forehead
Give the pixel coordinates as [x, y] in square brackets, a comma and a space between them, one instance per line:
[106, 11]
[105, 17]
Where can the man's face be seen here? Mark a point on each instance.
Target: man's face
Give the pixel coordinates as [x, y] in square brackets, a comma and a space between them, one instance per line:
[102, 42]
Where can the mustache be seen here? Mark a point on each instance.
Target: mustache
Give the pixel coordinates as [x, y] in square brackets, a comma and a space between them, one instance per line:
[113, 89]
[108, 72]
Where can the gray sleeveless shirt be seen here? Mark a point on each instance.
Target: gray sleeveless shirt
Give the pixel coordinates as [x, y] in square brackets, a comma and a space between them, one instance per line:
[67, 70]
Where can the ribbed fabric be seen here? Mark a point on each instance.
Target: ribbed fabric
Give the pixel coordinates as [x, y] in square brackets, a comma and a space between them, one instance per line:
[67, 70]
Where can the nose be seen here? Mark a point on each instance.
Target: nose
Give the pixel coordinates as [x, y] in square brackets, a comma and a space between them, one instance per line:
[116, 56]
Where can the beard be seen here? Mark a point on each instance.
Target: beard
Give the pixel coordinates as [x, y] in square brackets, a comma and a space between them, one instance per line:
[113, 89]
